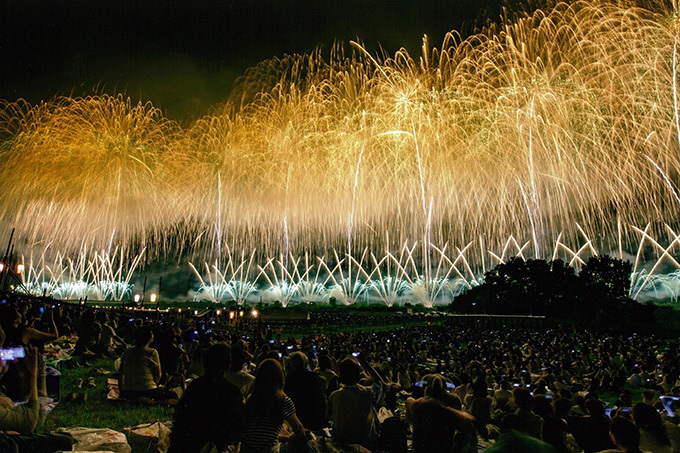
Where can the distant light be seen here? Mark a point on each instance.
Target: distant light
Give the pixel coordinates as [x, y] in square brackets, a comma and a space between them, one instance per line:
[254, 313]
[195, 312]
[153, 297]
[241, 313]
[136, 298]
[179, 310]
[218, 312]
[231, 315]
[20, 268]
[2, 267]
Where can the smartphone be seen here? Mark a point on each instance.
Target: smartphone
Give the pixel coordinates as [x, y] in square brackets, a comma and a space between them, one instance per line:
[9, 354]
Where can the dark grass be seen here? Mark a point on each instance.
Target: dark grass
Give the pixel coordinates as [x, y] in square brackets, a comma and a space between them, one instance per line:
[97, 411]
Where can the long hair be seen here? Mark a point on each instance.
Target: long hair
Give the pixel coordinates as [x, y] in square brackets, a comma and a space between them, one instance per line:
[648, 419]
[267, 391]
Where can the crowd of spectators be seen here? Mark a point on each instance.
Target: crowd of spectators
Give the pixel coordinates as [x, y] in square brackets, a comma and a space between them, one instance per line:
[437, 387]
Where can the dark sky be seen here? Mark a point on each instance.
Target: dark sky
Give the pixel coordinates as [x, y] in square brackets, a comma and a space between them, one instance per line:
[184, 55]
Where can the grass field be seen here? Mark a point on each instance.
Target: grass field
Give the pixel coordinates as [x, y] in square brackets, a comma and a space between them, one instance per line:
[96, 411]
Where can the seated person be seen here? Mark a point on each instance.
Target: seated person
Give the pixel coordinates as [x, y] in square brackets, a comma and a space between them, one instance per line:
[306, 389]
[353, 414]
[140, 368]
[211, 409]
[436, 426]
[24, 419]
[625, 435]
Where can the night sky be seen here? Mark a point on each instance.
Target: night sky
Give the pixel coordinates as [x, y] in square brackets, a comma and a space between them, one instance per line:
[184, 55]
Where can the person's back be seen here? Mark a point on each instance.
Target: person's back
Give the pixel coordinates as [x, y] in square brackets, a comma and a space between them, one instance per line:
[653, 432]
[435, 426]
[137, 365]
[352, 412]
[528, 422]
[211, 409]
[140, 368]
[236, 375]
[594, 428]
[306, 389]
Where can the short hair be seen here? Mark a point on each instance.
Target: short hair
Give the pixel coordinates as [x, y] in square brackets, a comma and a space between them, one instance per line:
[217, 358]
[298, 361]
[523, 398]
[324, 362]
[350, 372]
[625, 432]
[595, 407]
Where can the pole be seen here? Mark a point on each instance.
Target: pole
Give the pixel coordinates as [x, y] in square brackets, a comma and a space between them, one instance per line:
[143, 293]
[4, 261]
[158, 301]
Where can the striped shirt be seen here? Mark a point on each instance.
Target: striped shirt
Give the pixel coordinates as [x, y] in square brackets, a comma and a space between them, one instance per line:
[261, 433]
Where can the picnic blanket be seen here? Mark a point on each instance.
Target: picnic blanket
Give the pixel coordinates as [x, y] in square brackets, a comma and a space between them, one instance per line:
[149, 437]
[98, 439]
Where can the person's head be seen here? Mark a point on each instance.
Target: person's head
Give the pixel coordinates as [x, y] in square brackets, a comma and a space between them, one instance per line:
[324, 362]
[298, 361]
[479, 388]
[543, 406]
[523, 398]
[625, 434]
[595, 407]
[103, 317]
[436, 386]
[562, 407]
[268, 379]
[239, 355]
[143, 336]
[217, 359]
[10, 317]
[648, 419]
[350, 372]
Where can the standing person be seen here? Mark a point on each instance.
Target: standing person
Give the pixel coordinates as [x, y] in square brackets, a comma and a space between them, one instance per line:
[353, 413]
[211, 409]
[140, 367]
[266, 409]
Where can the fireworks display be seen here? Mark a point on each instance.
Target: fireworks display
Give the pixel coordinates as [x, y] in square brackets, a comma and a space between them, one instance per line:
[551, 135]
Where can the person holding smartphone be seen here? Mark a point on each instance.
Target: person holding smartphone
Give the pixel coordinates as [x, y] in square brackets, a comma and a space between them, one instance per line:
[24, 419]
[18, 333]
